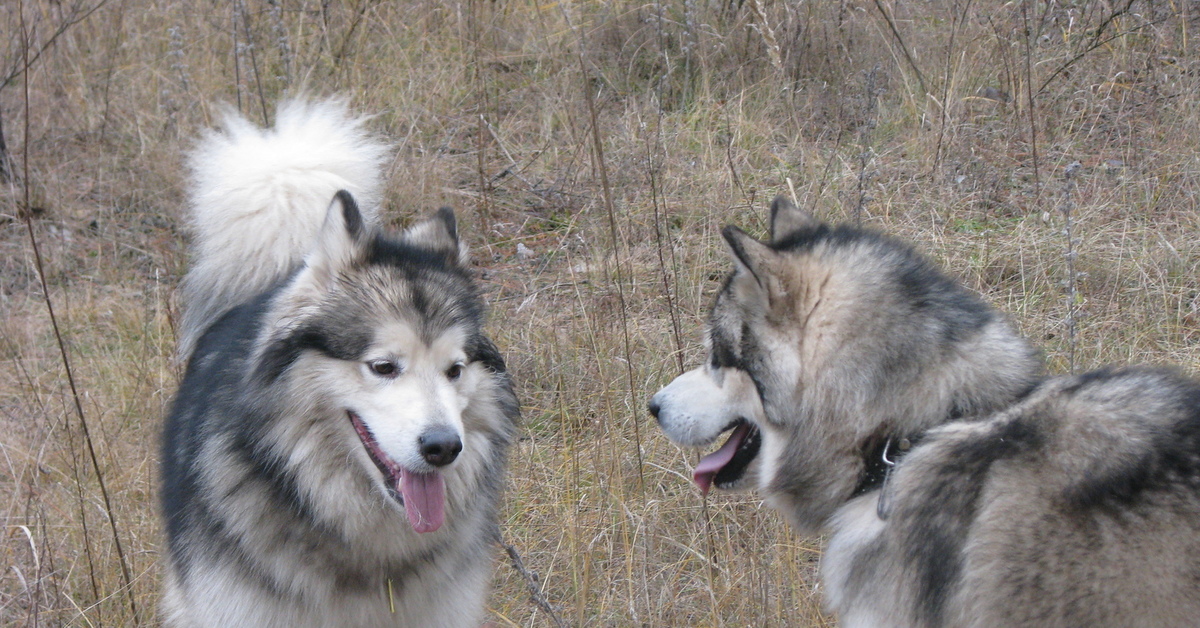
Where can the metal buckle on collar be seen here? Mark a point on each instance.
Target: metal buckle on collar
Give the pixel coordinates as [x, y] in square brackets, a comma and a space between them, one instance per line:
[882, 509]
[904, 445]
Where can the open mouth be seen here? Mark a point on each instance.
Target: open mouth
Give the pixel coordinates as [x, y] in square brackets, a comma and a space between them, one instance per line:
[726, 465]
[423, 495]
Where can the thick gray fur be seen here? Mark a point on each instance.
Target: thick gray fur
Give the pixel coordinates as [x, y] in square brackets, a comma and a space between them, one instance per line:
[1017, 499]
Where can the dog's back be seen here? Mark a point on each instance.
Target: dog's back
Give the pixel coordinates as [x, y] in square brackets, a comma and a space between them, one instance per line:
[1078, 507]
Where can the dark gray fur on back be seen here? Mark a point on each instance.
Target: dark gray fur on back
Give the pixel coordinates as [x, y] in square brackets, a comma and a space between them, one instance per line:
[1076, 507]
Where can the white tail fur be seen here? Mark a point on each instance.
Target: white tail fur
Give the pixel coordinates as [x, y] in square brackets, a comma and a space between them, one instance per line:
[259, 197]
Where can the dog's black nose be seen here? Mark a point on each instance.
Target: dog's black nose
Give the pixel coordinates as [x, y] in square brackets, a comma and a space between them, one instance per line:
[654, 408]
[440, 445]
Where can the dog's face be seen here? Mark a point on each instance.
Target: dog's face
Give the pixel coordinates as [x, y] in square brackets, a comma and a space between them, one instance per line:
[751, 348]
[787, 366]
[388, 331]
[699, 406]
[406, 398]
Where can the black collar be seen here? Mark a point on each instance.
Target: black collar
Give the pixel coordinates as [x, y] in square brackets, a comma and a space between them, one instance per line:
[881, 452]
[880, 455]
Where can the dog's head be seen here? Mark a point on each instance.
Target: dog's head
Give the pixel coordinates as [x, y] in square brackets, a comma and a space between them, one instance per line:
[384, 336]
[752, 345]
[824, 342]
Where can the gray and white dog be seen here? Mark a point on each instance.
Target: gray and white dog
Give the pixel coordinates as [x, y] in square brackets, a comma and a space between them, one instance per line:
[335, 453]
[872, 396]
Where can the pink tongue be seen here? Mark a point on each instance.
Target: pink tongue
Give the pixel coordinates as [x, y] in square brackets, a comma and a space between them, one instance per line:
[711, 464]
[424, 499]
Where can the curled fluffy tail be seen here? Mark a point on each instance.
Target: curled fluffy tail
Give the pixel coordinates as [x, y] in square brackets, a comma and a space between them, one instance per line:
[259, 196]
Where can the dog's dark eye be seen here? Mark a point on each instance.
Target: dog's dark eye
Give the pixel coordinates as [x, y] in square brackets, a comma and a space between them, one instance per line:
[384, 368]
[455, 371]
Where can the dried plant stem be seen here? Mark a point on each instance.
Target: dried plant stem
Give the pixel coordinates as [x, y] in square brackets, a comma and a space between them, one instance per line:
[871, 96]
[1030, 98]
[1096, 42]
[481, 102]
[64, 356]
[35, 510]
[282, 39]
[657, 149]
[654, 151]
[947, 79]
[532, 582]
[768, 36]
[249, 47]
[74, 15]
[5, 168]
[903, 48]
[728, 140]
[359, 15]
[1071, 283]
[656, 203]
[618, 275]
[237, 65]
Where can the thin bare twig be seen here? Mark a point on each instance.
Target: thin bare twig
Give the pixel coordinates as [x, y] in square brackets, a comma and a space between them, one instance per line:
[656, 202]
[1092, 45]
[532, 582]
[359, 15]
[903, 48]
[618, 276]
[22, 62]
[26, 61]
[237, 65]
[654, 149]
[262, 97]
[946, 80]
[62, 347]
[1031, 99]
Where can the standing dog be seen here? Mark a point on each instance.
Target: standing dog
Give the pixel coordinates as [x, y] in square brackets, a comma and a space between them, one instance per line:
[870, 395]
[335, 452]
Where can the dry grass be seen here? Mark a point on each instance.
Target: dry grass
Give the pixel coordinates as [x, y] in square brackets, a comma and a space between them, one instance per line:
[704, 111]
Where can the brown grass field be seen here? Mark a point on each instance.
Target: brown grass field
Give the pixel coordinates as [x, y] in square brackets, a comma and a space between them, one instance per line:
[611, 141]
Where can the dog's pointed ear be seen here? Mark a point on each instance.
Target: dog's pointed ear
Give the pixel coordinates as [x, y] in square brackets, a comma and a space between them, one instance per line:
[753, 257]
[787, 219]
[757, 276]
[439, 233]
[342, 236]
[341, 240]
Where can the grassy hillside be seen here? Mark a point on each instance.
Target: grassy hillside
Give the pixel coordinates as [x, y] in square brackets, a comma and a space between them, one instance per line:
[593, 151]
